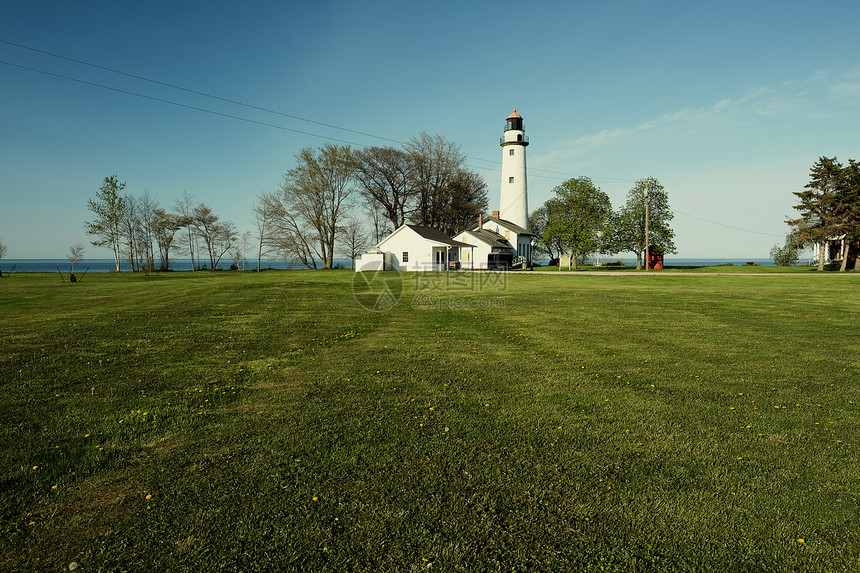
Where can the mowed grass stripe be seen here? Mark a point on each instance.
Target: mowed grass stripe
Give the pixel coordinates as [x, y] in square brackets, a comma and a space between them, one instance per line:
[268, 422]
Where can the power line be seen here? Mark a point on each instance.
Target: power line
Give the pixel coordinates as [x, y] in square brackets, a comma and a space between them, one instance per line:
[177, 104]
[542, 174]
[192, 91]
[727, 226]
[247, 105]
[272, 126]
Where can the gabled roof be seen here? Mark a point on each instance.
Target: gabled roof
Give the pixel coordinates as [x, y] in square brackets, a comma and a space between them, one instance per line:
[430, 234]
[510, 226]
[490, 238]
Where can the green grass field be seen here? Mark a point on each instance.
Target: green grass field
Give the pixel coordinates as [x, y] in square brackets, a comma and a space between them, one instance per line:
[243, 421]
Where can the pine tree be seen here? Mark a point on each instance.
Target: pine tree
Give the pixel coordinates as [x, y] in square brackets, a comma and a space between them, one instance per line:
[846, 212]
[818, 222]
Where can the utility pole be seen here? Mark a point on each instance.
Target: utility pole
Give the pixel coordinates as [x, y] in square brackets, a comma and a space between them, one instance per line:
[647, 243]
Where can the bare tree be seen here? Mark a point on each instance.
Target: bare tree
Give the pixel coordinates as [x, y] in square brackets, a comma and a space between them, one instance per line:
[467, 199]
[314, 195]
[3, 251]
[76, 255]
[354, 239]
[386, 175]
[218, 236]
[264, 219]
[378, 220]
[288, 235]
[449, 197]
[146, 206]
[165, 226]
[238, 250]
[184, 206]
[130, 230]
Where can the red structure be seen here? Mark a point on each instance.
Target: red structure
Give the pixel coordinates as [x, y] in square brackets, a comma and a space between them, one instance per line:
[655, 258]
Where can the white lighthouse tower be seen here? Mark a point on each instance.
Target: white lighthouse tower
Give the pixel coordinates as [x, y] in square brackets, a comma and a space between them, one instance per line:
[514, 205]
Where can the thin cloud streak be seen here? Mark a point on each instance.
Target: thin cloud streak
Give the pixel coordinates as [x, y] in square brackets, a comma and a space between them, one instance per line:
[789, 100]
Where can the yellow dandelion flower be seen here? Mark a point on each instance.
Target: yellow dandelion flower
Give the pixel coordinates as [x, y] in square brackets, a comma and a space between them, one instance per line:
[314, 498]
[149, 496]
[32, 523]
[53, 487]
[800, 540]
[35, 467]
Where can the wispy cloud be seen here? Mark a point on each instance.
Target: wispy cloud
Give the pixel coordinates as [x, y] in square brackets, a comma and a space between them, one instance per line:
[805, 96]
[848, 86]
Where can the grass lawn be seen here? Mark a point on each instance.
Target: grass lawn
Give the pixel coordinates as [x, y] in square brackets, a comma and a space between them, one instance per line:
[528, 422]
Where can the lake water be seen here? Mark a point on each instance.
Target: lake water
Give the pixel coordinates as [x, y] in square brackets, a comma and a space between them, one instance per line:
[107, 265]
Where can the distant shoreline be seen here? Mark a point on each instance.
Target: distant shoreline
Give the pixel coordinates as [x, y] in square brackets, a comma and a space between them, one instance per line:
[108, 265]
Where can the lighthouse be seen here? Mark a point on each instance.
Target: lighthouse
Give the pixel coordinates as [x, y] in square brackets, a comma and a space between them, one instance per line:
[514, 205]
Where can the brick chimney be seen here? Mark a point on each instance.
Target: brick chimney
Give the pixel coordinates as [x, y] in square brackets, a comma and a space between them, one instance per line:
[480, 221]
[496, 214]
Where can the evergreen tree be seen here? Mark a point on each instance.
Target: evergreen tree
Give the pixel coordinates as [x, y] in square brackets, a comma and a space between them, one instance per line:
[846, 212]
[818, 220]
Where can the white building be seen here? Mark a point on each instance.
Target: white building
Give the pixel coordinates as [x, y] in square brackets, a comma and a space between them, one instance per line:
[414, 248]
[500, 241]
[514, 205]
[519, 237]
[491, 250]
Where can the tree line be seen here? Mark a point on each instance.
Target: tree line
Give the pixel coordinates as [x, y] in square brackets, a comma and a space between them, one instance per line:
[325, 197]
[138, 230]
[579, 220]
[829, 210]
[321, 205]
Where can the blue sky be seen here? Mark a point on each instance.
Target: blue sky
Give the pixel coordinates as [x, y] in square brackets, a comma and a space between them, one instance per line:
[728, 104]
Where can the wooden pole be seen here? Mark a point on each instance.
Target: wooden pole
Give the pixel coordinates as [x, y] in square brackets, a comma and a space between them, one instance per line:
[647, 253]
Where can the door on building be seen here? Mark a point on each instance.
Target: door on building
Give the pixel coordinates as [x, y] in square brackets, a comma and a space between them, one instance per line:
[441, 260]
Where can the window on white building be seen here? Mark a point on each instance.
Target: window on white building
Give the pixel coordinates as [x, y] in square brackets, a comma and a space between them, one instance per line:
[510, 179]
[510, 152]
[405, 257]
